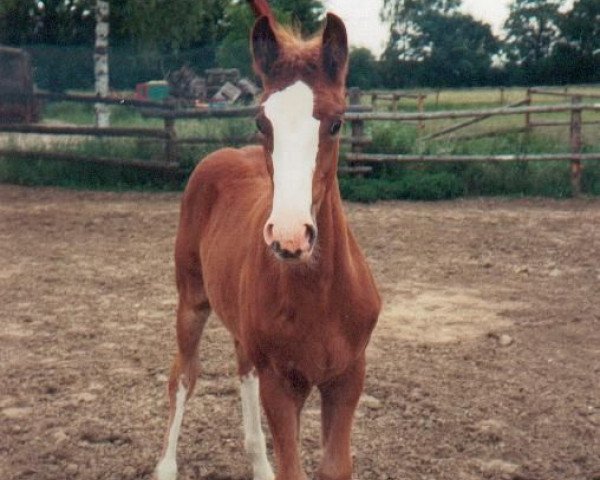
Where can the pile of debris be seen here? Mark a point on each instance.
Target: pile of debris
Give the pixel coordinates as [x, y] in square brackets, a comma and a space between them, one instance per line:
[220, 87]
[186, 85]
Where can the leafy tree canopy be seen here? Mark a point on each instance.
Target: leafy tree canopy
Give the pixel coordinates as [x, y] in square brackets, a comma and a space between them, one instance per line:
[406, 19]
[173, 25]
[56, 22]
[152, 23]
[532, 30]
[581, 27]
[363, 69]
[431, 42]
[459, 48]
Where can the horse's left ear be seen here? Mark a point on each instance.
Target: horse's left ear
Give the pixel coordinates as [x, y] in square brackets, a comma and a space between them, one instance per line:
[334, 51]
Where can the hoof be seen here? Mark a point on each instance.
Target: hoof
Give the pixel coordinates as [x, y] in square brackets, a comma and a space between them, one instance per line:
[264, 472]
[166, 470]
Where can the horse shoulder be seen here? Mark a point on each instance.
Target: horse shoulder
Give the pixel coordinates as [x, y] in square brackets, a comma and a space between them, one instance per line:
[222, 208]
[217, 175]
[360, 299]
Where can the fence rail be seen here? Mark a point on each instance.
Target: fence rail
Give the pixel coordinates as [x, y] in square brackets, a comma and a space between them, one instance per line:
[84, 130]
[469, 113]
[556, 93]
[113, 100]
[467, 123]
[357, 115]
[392, 158]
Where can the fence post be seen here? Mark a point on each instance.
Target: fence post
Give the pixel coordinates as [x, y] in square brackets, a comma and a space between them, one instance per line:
[170, 141]
[421, 109]
[528, 115]
[576, 145]
[357, 127]
[373, 100]
[395, 98]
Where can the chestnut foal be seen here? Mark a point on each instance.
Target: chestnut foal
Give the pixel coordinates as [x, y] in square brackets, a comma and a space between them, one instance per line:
[263, 241]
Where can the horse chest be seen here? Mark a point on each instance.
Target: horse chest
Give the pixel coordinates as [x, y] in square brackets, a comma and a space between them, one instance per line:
[316, 344]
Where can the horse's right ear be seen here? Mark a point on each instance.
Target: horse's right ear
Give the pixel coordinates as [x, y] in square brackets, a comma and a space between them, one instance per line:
[265, 48]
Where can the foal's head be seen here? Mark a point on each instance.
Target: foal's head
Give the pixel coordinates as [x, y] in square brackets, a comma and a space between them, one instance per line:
[300, 118]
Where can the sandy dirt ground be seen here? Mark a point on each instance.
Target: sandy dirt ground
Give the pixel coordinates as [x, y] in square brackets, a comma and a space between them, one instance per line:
[485, 363]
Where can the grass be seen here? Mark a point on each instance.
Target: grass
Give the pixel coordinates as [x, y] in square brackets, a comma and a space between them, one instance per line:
[34, 171]
[414, 181]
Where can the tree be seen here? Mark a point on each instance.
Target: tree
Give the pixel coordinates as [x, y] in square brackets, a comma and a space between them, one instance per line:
[432, 43]
[576, 58]
[55, 22]
[532, 30]
[155, 24]
[173, 25]
[101, 77]
[306, 15]
[406, 19]
[234, 50]
[363, 69]
[459, 50]
[581, 27]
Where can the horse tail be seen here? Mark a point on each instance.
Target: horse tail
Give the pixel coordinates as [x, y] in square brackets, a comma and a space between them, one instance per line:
[261, 9]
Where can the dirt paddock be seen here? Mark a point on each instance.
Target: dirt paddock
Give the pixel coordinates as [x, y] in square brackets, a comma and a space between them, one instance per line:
[485, 363]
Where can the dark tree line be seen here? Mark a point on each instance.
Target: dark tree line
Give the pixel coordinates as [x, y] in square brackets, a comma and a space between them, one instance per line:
[431, 42]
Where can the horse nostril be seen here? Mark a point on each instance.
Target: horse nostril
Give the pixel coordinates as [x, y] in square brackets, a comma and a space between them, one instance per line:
[283, 253]
[311, 234]
[268, 233]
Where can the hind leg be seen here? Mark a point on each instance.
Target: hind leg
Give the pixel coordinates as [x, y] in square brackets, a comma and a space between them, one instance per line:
[191, 318]
[254, 438]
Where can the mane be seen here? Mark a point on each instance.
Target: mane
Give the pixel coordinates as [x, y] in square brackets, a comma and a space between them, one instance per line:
[299, 56]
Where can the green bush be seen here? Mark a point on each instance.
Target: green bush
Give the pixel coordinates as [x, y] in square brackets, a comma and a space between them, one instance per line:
[434, 181]
[37, 171]
[591, 178]
[412, 186]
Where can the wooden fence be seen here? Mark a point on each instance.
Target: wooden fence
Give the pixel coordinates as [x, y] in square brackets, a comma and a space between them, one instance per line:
[523, 107]
[356, 161]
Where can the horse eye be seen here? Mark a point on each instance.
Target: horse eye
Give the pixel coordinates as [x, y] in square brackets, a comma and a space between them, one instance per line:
[335, 127]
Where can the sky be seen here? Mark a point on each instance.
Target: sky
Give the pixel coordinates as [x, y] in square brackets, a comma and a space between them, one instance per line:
[365, 29]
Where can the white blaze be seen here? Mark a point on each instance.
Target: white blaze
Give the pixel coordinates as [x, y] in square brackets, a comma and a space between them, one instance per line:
[295, 146]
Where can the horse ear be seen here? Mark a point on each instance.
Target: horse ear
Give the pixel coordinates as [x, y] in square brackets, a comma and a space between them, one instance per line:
[334, 51]
[265, 48]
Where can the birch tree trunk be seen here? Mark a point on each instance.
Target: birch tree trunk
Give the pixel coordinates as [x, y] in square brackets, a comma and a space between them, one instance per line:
[101, 62]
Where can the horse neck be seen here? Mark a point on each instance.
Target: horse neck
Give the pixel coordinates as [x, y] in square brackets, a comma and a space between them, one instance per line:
[332, 225]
